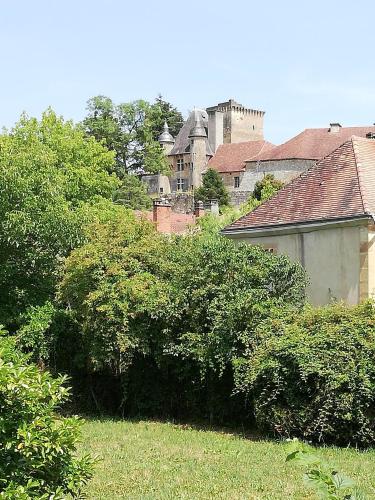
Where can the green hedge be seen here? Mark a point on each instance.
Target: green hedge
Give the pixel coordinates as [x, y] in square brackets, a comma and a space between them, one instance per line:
[312, 374]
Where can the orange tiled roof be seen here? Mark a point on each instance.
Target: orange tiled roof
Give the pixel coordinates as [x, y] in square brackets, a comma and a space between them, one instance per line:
[341, 185]
[314, 143]
[232, 157]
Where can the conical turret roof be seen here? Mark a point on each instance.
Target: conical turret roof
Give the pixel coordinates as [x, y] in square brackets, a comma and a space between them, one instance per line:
[165, 136]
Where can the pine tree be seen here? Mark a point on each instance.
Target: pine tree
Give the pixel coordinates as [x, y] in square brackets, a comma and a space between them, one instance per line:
[213, 188]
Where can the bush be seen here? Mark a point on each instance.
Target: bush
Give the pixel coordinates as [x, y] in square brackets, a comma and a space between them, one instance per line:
[37, 448]
[313, 374]
[177, 308]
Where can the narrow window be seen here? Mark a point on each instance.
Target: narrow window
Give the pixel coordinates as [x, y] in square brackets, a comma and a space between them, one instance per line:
[180, 184]
[236, 182]
[180, 165]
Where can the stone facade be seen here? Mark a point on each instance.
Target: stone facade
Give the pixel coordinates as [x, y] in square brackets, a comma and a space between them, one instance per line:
[240, 124]
[202, 133]
[282, 170]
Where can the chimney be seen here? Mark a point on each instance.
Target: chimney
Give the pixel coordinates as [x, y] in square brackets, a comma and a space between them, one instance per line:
[212, 206]
[162, 216]
[215, 128]
[199, 209]
[334, 128]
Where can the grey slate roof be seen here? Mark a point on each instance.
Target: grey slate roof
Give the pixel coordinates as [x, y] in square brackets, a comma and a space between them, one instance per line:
[182, 141]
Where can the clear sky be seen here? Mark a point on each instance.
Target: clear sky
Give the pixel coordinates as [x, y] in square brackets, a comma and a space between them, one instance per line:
[305, 63]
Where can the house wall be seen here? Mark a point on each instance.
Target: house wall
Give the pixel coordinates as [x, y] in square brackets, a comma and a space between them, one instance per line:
[332, 259]
[283, 170]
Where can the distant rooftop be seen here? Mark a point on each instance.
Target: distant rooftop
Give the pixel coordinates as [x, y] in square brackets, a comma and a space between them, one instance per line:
[340, 186]
[315, 143]
[232, 157]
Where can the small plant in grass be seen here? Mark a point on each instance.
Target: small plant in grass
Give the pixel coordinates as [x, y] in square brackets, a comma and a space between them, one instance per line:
[327, 481]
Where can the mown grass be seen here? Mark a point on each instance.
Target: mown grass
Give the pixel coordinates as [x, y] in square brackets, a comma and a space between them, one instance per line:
[154, 460]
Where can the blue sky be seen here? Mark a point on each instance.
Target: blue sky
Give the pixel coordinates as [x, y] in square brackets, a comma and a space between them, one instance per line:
[305, 63]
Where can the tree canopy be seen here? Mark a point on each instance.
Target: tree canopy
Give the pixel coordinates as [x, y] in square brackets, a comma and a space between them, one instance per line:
[53, 179]
[131, 131]
[162, 111]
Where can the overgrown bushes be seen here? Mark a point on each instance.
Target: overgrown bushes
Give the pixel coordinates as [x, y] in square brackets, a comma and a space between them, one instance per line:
[37, 448]
[312, 374]
[166, 313]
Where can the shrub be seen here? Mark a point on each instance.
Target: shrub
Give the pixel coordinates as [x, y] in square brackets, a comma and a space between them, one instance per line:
[182, 307]
[312, 374]
[37, 447]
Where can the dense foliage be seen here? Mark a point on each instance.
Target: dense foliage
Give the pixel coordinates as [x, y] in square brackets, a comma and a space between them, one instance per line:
[312, 374]
[132, 193]
[53, 180]
[37, 448]
[129, 130]
[185, 307]
[162, 111]
[212, 188]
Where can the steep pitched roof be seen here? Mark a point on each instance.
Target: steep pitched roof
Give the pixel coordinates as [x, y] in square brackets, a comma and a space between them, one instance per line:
[314, 143]
[182, 142]
[341, 185]
[232, 157]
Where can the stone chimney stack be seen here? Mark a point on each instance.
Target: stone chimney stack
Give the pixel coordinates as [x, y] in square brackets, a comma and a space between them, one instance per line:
[215, 128]
[199, 209]
[212, 206]
[162, 216]
[334, 128]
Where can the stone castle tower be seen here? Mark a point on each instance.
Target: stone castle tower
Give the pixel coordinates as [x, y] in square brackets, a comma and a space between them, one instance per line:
[230, 122]
[197, 141]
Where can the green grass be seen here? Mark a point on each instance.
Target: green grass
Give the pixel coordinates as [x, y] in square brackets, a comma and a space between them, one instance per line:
[153, 460]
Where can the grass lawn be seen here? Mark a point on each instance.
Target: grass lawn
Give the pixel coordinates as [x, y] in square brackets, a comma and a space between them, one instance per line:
[153, 460]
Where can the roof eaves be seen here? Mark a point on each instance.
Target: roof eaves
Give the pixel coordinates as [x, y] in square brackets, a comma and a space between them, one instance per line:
[308, 223]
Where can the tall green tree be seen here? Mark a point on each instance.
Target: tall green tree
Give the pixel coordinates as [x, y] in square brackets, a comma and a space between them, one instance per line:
[163, 111]
[132, 193]
[53, 180]
[128, 130]
[212, 188]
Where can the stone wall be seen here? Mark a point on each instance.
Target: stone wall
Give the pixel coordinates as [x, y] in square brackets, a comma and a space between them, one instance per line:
[283, 170]
[182, 203]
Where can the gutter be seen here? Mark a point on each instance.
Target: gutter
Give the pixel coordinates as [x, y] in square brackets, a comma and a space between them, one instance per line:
[300, 227]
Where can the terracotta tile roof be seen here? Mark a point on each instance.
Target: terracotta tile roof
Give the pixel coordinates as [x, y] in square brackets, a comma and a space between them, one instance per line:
[232, 157]
[314, 143]
[179, 222]
[341, 185]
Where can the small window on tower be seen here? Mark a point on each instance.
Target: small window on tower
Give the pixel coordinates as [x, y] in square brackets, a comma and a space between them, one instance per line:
[236, 182]
[161, 190]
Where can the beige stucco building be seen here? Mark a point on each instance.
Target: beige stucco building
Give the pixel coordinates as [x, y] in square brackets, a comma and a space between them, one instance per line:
[324, 219]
